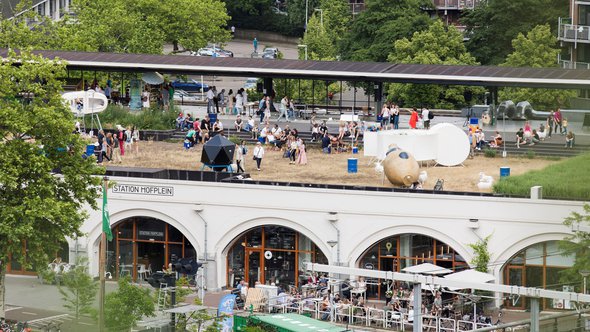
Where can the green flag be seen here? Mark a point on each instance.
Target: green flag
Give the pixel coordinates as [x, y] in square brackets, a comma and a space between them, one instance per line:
[106, 220]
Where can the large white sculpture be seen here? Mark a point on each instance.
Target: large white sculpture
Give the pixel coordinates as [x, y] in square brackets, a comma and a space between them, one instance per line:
[86, 102]
[444, 143]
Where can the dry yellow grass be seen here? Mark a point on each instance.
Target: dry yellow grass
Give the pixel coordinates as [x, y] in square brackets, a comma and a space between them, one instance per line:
[329, 169]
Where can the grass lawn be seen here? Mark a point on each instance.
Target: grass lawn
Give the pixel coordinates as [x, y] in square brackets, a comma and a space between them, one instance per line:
[567, 179]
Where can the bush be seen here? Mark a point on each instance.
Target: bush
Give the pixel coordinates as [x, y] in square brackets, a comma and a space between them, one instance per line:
[489, 153]
[235, 140]
[564, 180]
[152, 118]
[530, 154]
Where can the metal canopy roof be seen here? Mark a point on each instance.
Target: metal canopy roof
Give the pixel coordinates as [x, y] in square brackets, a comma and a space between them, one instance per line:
[325, 70]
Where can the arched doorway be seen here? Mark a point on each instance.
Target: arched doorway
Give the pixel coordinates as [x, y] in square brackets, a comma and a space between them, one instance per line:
[538, 266]
[398, 252]
[142, 244]
[271, 254]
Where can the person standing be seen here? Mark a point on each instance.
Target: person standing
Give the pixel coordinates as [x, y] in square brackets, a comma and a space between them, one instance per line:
[145, 98]
[385, 116]
[230, 101]
[258, 154]
[425, 118]
[413, 118]
[170, 94]
[128, 138]
[550, 124]
[301, 155]
[210, 96]
[135, 139]
[165, 97]
[233, 31]
[121, 139]
[221, 100]
[241, 153]
[255, 43]
[557, 121]
[239, 102]
[395, 115]
[283, 108]
[267, 109]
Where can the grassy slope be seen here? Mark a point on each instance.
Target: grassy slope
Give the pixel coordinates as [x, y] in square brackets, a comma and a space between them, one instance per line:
[569, 179]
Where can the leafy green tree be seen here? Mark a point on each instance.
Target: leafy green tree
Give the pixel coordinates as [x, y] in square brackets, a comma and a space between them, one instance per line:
[440, 45]
[337, 16]
[80, 289]
[318, 41]
[46, 185]
[538, 49]
[493, 24]
[373, 31]
[577, 244]
[124, 307]
[481, 255]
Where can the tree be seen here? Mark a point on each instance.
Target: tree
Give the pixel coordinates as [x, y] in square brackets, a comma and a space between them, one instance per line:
[319, 44]
[440, 45]
[374, 30]
[538, 50]
[124, 307]
[493, 24]
[481, 255]
[80, 290]
[46, 186]
[577, 244]
[336, 15]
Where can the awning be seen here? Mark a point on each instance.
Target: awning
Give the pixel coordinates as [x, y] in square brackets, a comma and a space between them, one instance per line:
[427, 268]
[471, 276]
[297, 323]
[153, 78]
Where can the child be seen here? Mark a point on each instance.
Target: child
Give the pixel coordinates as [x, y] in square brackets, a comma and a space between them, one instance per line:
[564, 125]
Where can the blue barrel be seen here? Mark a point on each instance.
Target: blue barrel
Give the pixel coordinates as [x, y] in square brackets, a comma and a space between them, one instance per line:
[504, 171]
[187, 144]
[355, 150]
[474, 121]
[262, 140]
[352, 165]
[212, 117]
[89, 149]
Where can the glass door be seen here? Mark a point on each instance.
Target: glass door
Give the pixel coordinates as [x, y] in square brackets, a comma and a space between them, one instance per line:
[254, 266]
[515, 276]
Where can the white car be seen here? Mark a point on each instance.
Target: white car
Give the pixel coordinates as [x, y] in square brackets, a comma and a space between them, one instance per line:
[250, 83]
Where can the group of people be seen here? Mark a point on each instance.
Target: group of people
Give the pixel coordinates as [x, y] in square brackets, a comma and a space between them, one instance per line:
[112, 146]
[198, 130]
[390, 113]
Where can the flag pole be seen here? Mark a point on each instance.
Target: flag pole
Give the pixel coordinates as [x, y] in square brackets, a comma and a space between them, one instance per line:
[102, 261]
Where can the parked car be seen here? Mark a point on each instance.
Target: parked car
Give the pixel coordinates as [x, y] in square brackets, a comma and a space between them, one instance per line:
[270, 53]
[214, 51]
[190, 86]
[250, 83]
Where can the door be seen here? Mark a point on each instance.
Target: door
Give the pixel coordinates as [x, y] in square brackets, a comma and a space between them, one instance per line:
[515, 276]
[254, 266]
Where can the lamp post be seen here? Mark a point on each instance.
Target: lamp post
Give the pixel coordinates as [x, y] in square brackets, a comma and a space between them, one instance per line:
[321, 15]
[306, 13]
[304, 46]
[585, 274]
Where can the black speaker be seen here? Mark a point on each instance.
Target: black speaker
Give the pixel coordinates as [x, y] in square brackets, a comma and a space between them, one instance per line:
[259, 87]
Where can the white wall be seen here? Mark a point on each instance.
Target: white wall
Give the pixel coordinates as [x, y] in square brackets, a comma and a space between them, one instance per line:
[364, 218]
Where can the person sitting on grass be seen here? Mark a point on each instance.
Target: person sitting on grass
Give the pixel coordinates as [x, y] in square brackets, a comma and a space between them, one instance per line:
[326, 143]
[188, 121]
[180, 122]
[569, 140]
[205, 127]
[264, 132]
[191, 137]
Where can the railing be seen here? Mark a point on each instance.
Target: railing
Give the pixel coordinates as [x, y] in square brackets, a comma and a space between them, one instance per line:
[566, 64]
[455, 4]
[573, 32]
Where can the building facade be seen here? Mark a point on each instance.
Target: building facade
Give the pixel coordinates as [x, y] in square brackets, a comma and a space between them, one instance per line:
[574, 36]
[256, 232]
[54, 9]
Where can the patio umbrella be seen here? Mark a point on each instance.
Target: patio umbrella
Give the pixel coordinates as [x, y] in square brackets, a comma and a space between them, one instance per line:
[470, 276]
[427, 268]
[152, 78]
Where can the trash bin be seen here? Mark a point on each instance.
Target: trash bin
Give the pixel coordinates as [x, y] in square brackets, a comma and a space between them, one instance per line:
[355, 150]
[352, 165]
[212, 117]
[504, 171]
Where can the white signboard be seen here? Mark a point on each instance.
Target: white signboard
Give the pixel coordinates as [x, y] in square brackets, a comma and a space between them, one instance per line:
[142, 190]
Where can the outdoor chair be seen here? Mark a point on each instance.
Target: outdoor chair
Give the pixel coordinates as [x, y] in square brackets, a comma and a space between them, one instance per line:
[359, 315]
[393, 318]
[376, 316]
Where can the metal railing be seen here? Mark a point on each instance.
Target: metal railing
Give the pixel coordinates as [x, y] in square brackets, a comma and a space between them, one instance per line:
[455, 4]
[567, 64]
[573, 32]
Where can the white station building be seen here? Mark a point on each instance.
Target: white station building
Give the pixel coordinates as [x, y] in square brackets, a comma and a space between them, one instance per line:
[265, 231]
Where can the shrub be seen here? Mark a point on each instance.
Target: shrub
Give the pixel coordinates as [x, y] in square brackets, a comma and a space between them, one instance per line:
[152, 118]
[235, 140]
[530, 154]
[489, 153]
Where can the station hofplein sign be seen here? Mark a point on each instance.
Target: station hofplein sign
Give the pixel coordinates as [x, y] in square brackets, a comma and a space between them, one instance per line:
[142, 190]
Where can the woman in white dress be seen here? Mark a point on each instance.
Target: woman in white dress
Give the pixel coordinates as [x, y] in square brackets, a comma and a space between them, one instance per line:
[145, 98]
[239, 103]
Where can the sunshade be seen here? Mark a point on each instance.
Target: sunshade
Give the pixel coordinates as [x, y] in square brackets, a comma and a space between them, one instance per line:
[153, 78]
[471, 276]
[426, 268]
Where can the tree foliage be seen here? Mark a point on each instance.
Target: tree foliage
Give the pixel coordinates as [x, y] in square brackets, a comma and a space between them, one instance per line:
[373, 31]
[481, 255]
[124, 307]
[537, 49]
[80, 290]
[492, 25]
[318, 41]
[45, 184]
[439, 45]
[337, 16]
[577, 244]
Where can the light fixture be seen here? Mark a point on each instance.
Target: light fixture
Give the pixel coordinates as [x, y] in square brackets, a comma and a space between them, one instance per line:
[333, 216]
[198, 207]
[473, 223]
[332, 243]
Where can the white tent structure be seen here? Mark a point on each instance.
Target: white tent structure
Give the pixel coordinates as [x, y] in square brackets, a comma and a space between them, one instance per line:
[470, 276]
[426, 268]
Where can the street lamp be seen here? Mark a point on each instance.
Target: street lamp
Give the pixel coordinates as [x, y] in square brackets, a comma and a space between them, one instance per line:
[305, 46]
[321, 15]
[585, 274]
[306, 13]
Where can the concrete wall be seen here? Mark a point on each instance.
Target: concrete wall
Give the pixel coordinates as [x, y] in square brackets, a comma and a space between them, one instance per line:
[264, 36]
[363, 218]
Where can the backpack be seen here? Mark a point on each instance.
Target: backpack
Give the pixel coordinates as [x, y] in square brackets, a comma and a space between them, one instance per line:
[430, 115]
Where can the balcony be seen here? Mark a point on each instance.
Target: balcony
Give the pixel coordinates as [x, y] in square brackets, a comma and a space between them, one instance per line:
[455, 4]
[567, 64]
[573, 33]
